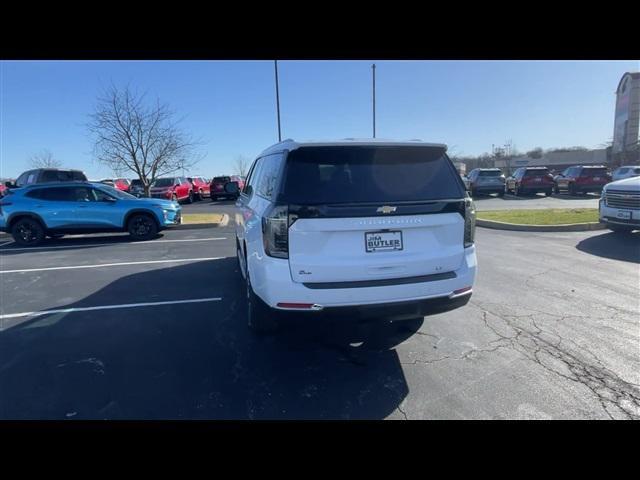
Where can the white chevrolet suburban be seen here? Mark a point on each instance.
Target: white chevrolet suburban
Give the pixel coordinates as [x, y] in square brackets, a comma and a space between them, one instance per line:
[367, 228]
[619, 205]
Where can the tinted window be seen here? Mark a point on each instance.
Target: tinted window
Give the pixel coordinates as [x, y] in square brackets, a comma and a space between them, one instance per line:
[136, 182]
[536, 173]
[636, 170]
[31, 178]
[622, 170]
[49, 176]
[164, 182]
[60, 194]
[220, 179]
[266, 184]
[590, 172]
[369, 174]
[490, 173]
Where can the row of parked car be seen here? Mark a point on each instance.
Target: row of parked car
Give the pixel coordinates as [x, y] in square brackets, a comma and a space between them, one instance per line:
[178, 189]
[576, 180]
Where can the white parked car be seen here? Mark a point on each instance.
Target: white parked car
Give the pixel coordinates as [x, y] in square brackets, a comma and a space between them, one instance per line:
[627, 171]
[620, 205]
[365, 228]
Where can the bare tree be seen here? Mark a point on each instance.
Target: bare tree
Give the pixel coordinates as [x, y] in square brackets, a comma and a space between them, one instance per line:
[131, 134]
[44, 159]
[241, 165]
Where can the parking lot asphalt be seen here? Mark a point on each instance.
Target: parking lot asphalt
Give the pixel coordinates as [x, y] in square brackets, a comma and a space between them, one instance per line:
[539, 201]
[552, 331]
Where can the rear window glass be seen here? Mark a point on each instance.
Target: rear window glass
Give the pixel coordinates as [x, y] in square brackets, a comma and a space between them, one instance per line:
[490, 173]
[221, 179]
[322, 175]
[136, 182]
[590, 172]
[164, 182]
[536, 173]
[636, 170]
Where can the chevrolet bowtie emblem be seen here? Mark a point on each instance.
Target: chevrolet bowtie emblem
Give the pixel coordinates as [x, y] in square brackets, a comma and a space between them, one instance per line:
[386, 209]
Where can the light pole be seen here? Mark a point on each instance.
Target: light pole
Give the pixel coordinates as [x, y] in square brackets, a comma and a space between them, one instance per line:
[278, 100]
[373, 69]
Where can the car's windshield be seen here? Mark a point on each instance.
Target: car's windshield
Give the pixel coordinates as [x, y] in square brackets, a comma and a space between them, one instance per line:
[369, 174]
[116, 193]
[164, 182]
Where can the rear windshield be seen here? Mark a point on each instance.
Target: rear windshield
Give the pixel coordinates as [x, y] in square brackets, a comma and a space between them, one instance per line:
[591, 172]
[164, 182]
[136, 182]
[536, 173]
[325, 175]
[221, 179]
[490, 173]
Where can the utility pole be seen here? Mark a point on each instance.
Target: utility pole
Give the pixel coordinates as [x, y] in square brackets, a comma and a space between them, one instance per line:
[278, 100]
[373, 69]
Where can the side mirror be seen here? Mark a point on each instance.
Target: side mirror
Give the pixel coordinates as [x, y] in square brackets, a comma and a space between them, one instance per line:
[9, 185]
[232, 188]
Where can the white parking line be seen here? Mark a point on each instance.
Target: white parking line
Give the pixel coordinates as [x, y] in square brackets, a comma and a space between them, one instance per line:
[107, 244]
[6, 243]
[178, 260]
[106, 307]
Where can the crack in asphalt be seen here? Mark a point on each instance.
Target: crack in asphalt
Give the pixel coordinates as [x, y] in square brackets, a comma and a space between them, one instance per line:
[605, 384]
[402, 411]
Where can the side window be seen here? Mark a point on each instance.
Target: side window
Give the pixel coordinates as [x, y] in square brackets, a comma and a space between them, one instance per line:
[269, 176]
[31, 178]
[254, 175]
[61, 194]
[99, 196]
[65, 176]
[34, 194]
[83, 194]
[49, 176]
[79, 176]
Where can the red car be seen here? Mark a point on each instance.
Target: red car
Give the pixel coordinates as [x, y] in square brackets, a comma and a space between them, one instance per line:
[582, 179]
[172, 188]
[122, 184]
[530, 180]
[218, 184]
[201, 187]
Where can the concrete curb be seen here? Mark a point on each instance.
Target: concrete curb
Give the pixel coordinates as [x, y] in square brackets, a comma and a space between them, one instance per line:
[574, 227]
[194, 226]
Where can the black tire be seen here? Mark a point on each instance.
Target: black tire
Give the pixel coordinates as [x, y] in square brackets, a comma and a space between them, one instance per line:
[142, 227]
[260, 318]
[620, 228]
[28, 232]
[473, 193]
[190, 198]
[548, 193]
[556, 190]
[174, 198]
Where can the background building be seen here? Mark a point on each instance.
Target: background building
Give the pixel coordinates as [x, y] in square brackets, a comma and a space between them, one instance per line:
[627, 120]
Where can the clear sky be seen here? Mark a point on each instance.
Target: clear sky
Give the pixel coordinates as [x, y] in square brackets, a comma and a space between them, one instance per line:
[231, 105]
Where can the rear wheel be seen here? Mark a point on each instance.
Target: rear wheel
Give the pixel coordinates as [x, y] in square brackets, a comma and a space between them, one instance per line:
[190, 199]
[572, 190]
[548, 193]
[28, 232]
[142, 227]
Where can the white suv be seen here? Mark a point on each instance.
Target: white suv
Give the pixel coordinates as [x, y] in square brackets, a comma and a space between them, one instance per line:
[619, 205]
[364, 228]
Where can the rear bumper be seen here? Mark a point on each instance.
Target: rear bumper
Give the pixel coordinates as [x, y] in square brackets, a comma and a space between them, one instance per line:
[536, 189]
[488, 188]
[271, 280]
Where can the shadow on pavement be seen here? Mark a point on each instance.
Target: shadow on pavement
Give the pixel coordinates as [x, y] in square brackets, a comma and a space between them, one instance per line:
[71, 243]
[194, 361]
[617, 246]
[587, 196]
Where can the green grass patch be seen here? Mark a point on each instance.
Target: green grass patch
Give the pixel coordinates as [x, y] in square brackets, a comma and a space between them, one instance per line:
[194, 218]
[551, 216]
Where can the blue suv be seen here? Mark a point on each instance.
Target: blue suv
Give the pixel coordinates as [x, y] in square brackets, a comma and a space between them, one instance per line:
[33, 212]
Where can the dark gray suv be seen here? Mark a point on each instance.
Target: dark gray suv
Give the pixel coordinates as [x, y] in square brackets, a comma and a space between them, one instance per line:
[49, 175]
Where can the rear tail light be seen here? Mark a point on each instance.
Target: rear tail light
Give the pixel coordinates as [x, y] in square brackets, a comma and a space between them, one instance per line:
[469, 222]
[275, 231]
